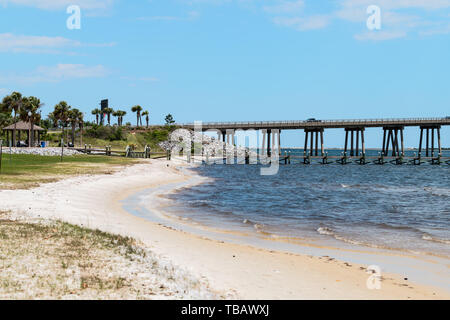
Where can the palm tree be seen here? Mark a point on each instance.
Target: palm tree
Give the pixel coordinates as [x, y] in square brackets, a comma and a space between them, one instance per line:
[116, 114]
[122, 114]
[51, 116]
[145, 113]
[74, 116]
[169, 119]
[14, 103]
[30, 113]
[61, 114]
[96, 112]
[108, 112]
[138, 110]
[81, 125]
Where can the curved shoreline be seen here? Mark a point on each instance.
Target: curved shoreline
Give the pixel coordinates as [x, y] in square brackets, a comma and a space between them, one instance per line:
[352, 253]
[232, 269]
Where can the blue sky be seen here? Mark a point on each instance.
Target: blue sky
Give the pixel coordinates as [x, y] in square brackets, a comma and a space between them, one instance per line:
[227, 60]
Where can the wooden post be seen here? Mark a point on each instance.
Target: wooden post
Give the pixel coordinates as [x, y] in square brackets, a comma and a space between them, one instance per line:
[1, 154]
[352, 149]
[357, 142]
[403, 142]
[363, 142]
[317, 143]
[306, 142]
[439, 140]
[387, 143]
[432, 142]
[269, 151]
[383, 151]
[279, 142]
[311, 149]
[393, 138]
[396, 152]
[62, 149]
[420, 142]
[346, 141]
[321, 142]
[428, 140]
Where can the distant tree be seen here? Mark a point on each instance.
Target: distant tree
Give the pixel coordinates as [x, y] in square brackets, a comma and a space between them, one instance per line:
[30, 113]
[145, 113]
[74, 116]
[61, 114]
[169, 119]
[13, 103]
[5, 119]
[81, 125]
[116, 114]
[122, 114]
[96, 112]
[51, 118]
[138, 110]
[108, 112]
[119, 114]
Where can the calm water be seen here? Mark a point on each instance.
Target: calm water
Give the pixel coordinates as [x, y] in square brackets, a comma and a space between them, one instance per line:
[398, 207]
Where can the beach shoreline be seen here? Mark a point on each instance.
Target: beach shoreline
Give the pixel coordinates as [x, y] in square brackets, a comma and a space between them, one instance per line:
[233, 270]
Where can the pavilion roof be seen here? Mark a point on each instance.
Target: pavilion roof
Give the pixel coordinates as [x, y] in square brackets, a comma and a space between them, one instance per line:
[23, 126]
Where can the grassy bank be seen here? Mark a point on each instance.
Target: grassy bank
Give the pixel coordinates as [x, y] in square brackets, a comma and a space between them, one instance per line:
[26, 171]
[56, 260]
[117, 138]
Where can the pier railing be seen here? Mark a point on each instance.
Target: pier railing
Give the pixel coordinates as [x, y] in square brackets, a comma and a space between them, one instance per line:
[339, 123]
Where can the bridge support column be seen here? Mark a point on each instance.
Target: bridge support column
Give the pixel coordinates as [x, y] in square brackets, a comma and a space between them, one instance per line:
[263, 146]
[271, 138]
[314, 142]
[354, 148]
[223, 136]
[430, 151]
[230, 155]
[392, 138]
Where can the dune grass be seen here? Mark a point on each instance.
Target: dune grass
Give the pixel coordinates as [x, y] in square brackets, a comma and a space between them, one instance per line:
[26, 171]
[57, 260]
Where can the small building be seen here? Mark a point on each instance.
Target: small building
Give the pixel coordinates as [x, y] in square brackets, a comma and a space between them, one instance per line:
[26, 127]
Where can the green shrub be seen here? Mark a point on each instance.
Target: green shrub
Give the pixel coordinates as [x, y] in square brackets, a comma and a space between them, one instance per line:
[106, 133]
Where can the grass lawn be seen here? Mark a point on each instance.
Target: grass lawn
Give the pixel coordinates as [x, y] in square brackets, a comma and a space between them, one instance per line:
[27, 171]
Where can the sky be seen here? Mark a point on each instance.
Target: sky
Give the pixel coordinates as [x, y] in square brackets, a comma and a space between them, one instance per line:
[234, 60]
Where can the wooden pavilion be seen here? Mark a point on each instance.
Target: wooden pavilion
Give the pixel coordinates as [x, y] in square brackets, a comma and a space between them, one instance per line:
[21, 126]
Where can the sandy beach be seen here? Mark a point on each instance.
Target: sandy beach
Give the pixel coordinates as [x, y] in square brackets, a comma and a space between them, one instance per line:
[231, 270]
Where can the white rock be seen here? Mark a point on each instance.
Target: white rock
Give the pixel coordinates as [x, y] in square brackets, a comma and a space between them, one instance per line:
[41, 151]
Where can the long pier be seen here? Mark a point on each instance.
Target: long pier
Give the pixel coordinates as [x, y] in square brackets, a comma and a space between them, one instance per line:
[392, 143]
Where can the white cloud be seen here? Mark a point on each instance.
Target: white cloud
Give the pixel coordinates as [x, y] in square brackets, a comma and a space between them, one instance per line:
[40, 44]
[399, 18]
[60, 4]
[283, 6]
[303, 24]
[145, 79]
[396, 4]
[57, 73]
[21, 43]
[380, 35]
[191, 15]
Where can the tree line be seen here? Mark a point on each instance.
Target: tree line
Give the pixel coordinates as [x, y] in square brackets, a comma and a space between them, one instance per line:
[15, 107]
